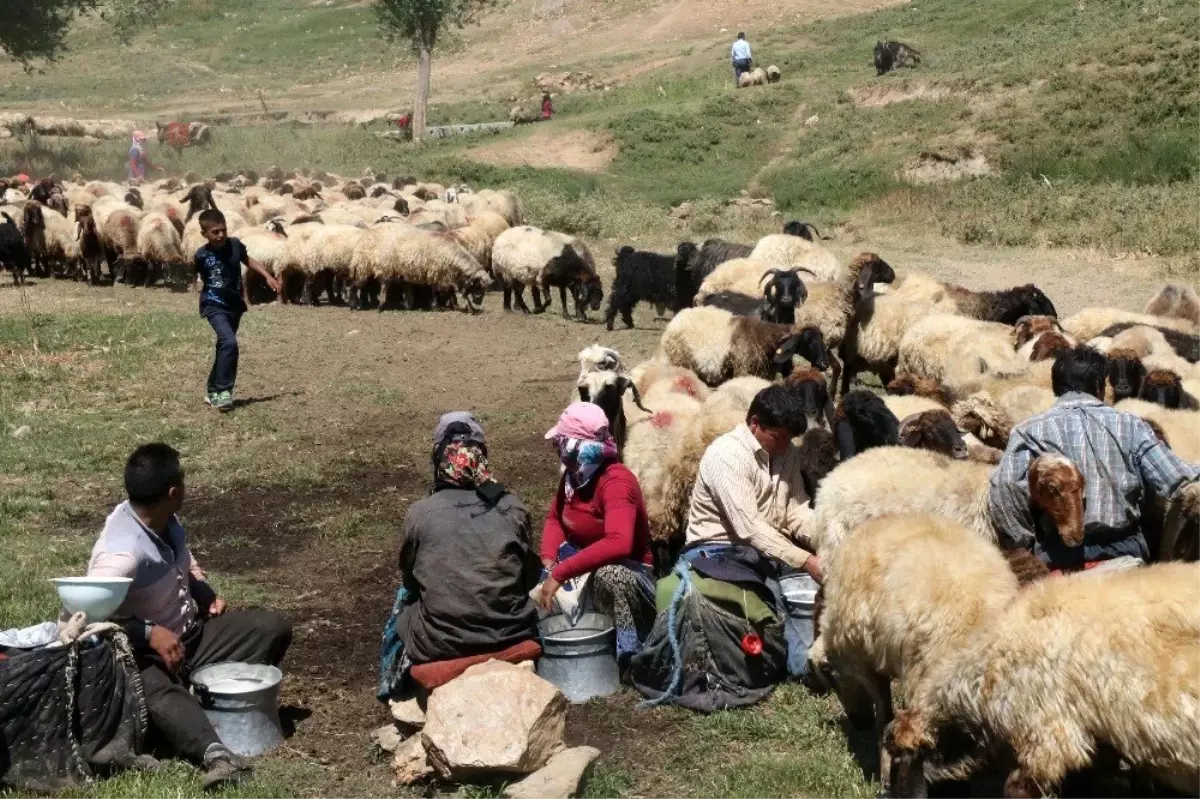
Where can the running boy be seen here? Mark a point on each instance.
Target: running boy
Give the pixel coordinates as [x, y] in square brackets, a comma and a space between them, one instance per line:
[219, 264]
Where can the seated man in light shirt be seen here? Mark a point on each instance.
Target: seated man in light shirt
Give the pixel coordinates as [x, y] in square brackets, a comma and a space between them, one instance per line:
[740, 55]
[174, 619]
[750, 489]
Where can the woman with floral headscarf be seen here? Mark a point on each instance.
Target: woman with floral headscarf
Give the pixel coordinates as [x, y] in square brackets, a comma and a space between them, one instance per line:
[139, 159]
[467, 562]
[597, 527]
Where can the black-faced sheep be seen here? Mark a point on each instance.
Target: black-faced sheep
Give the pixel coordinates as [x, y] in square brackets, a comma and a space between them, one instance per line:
[1166, 389]
[1026, 684]
[933, 430]
[718, 346]
[773, 74]
[1125, 374]
[1185, 345]
[641, 277]
[863, 421]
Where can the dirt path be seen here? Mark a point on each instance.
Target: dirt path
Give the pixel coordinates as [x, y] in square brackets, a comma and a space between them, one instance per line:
[548, 146]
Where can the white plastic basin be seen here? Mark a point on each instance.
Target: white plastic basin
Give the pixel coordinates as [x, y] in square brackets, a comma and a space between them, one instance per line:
[98, 597]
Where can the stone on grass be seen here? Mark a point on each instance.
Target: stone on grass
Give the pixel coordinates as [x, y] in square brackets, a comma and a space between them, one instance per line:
[387, 737]
[410, 763]
[408, 713]
[496, 718]
[561, 778]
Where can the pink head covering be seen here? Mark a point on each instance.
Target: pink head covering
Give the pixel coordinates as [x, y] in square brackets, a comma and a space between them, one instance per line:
[581, 420]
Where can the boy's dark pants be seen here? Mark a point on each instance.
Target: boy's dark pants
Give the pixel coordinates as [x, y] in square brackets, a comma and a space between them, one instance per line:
[224, 369]
[244, 636]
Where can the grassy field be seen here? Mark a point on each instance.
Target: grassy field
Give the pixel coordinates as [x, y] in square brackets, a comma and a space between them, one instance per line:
[1085, 113]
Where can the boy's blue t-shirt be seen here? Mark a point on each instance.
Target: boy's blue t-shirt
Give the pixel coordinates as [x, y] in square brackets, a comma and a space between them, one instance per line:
[221, 272]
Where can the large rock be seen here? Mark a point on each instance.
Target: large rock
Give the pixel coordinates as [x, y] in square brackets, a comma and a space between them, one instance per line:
[410, 763]
[561, 778]
[495, 718]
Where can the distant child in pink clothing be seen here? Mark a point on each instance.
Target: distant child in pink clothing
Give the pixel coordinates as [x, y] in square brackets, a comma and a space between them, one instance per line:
[597, 527]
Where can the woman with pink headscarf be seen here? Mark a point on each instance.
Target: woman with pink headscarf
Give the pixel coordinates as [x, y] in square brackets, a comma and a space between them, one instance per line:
[597, 533]
[139, 159]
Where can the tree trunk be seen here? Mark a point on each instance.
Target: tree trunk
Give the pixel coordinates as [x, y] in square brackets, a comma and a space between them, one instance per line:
[421, 102]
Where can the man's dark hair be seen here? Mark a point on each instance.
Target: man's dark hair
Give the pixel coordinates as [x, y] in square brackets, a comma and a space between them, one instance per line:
[1081, 369]
[210, 217]
[741, 35]
[151, 471]
[776, 406]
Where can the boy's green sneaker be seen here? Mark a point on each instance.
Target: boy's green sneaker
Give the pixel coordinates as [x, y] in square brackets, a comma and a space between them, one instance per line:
[210, 398]
[223, 401]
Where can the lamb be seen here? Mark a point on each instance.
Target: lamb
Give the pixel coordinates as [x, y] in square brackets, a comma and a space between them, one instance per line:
[530, 256]
[888, 480]
[956, 350]
[91, 250]
[755, 77]
[891, 611]
[718, 346]
[794, 251]
[160, 248]
[773, 74]
[641, 277]
[1015, 683]
[1176, 302]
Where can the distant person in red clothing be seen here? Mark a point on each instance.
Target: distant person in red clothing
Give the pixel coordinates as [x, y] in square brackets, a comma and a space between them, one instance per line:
[596, 539]
[547, 106]
[405, 125]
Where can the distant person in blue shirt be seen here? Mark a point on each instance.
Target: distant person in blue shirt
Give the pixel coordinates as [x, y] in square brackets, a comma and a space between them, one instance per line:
[741, 58]
[219, 264]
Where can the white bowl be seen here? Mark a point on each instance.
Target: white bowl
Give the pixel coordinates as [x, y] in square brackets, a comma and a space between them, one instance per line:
[98, 597]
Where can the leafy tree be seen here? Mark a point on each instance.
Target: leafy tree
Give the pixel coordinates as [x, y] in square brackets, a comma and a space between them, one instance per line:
[36, 30]
[420, 22]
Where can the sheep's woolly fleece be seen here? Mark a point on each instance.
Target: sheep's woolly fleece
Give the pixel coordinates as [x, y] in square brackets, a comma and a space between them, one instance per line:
[791, 252]
[889, 480]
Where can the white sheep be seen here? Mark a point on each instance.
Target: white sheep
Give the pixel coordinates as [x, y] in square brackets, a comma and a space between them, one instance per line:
[529, 256]
[796, 252]
[956, 350]
[1102, 657]
[893, 611]
[160, 246]
[755, 77]
[719, 346]
[773, 74]
[1180, 426]
[888, 480]
[416, 258]
[1089, 323]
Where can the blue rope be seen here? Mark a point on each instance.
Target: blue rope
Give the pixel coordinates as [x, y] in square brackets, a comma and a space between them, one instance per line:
[683, 570]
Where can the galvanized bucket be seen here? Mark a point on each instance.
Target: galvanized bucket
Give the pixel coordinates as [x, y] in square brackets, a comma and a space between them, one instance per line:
[800, 595]
[581, 660]
[242, 702]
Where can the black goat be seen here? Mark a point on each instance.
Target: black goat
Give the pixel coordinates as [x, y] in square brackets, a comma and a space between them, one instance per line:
[697, 263]
[13, 252]
[199, 198]
[641, 277]
[863, 421]
[805, 230]
[782, 295]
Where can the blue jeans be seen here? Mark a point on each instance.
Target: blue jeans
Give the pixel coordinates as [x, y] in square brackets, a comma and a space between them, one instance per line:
[740, 66]
[224, 369]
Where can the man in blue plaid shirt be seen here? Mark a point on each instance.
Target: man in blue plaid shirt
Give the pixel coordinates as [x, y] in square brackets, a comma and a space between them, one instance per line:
[1117, 453]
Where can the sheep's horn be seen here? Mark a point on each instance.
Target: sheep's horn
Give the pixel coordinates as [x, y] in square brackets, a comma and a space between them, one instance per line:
[637, 397]
[769, 273]
[805, 269]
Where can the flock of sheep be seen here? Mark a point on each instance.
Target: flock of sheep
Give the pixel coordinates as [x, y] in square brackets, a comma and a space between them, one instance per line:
[993, 661]
[368, 243]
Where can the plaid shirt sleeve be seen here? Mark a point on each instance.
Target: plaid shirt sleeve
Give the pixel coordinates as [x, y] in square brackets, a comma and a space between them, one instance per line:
[1162, 470]
[1008, 496]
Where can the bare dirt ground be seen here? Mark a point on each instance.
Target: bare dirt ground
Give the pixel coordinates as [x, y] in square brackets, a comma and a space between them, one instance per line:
[547, 148]
[350, 400]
